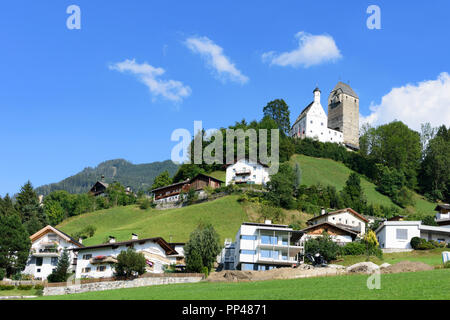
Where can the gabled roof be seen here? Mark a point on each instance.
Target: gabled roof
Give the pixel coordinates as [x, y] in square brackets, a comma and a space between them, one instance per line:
[49, 229]
[350, 210]
[166, 246]
[332, 225]
[303, 113]
[187, 181]
[248, 160]
[345, 88]
[171, 185]
[444, 206]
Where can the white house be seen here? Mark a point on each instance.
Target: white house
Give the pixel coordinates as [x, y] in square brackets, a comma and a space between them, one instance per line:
[244, 171]
[98, 261]
[398, 234]
[47, 245]
[264, 246]
[443, 215]
[313, 123]
[344, 218]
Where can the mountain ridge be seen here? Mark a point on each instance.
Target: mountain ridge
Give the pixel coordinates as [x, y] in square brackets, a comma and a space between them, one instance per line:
[136, 176]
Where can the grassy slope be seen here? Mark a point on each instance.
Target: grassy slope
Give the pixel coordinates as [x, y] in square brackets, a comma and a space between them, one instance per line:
[431, 257]
[330, 172]
[226, 214]
[221, 175]
[433, 284]
[17, 292]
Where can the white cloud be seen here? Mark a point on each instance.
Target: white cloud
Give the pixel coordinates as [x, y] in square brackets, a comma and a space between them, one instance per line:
[312, 50]
[170, 89]
[215, 58]
[428, 101]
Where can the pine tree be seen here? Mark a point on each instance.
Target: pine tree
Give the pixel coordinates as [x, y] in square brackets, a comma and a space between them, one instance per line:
[31, 213]
[14, 244]
[60, 273]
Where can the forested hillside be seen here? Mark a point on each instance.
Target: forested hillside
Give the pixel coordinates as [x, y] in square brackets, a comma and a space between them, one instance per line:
[137, 176]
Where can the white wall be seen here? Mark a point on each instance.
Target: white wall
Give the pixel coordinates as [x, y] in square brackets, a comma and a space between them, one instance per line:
[258, 173]
[346, 218]
[387, 235]
[43, 271]
[148, 247]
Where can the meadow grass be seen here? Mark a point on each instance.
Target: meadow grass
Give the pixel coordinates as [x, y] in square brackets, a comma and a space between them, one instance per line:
[225, 214]
[433, 284]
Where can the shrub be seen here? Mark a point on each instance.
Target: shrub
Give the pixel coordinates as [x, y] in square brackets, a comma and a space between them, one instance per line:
[25, 287]
[2, 273]
[205, 271]
[447, 265]
[39, 287]
[415, 243]
[144, 203]
[353, 249]
[130, 263]
[4, 287]
[323, 245]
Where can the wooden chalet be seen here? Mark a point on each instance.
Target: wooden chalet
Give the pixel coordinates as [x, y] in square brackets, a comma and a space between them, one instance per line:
[199, 182]
[98, 188]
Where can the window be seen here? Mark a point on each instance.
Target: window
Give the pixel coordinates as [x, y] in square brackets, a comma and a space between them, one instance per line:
[52, 237]
[251, 252]
[87, 256]
[247, 237]
[284, 242]
[38, 270]
[247, 266]
[39, 261]
[269, 254]
[86, 270]
[311, 121]
[269, 240]
[54, 261]
[101, 268]
[321, 123]
[402, 234]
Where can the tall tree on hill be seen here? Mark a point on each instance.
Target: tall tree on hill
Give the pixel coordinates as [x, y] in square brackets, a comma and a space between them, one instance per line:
[278, 110]
[7, 206]
[14, 244]
[162, 180]
[353, 195]
[29, 208]
[396, 146]
[435, 167]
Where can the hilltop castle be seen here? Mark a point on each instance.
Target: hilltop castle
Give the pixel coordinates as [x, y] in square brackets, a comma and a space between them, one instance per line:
[342, 124]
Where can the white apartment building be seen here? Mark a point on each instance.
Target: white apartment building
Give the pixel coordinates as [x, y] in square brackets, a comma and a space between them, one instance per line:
[98, 261]
[344, 218]
[398, 234]
[47, 245]
[244, 171]
[264, 246]
[313, 123]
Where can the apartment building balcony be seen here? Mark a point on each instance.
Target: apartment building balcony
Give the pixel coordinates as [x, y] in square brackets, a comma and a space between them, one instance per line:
[243, 172]
[289, 261]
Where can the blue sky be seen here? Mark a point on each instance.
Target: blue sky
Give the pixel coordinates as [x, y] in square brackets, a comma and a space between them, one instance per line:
[73, 98]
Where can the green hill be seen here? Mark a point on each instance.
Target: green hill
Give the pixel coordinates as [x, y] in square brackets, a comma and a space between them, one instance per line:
[330, 172]
[175, 225]
[136, 176]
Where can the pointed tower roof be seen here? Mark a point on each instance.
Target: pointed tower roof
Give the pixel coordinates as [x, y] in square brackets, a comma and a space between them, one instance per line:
[345, 88]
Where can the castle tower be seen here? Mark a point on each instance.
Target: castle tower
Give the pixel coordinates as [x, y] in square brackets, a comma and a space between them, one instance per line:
[343, 113]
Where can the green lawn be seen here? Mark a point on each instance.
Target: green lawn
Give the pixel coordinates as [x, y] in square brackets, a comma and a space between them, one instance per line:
[330, 172]
[175, 225]
[433, 284]
[431, 257]
[16, 292]
[221, 175]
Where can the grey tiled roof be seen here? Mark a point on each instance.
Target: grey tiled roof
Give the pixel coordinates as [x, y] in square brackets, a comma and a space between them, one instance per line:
[345, 89]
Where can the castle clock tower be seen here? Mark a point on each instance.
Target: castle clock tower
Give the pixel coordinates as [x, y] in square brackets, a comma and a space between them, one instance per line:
[343, 114]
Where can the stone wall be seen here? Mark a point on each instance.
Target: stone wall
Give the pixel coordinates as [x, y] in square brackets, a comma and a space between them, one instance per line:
[111, 285]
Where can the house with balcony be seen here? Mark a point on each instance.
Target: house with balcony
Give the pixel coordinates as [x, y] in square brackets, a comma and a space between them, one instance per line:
[98, 261]
[345, 219]
[265, 246]
[47, 245]
[244, 171]
[443, 215]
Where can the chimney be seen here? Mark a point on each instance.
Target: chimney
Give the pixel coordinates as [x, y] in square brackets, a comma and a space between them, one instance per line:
[80, 240]
[268, 222]
[112, 239]
[134, 236]
[322, 212]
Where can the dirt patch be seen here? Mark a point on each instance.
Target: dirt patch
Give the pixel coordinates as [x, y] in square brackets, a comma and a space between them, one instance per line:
[407, 266]
[305, 271]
